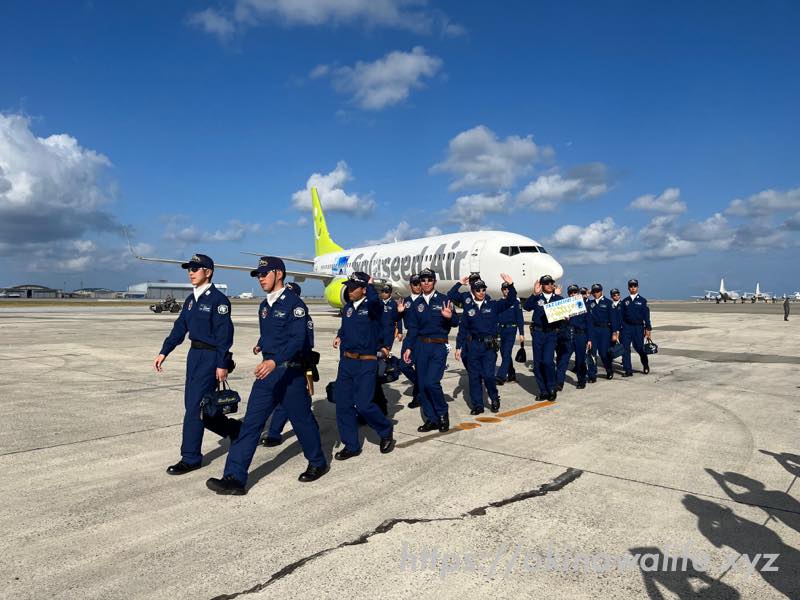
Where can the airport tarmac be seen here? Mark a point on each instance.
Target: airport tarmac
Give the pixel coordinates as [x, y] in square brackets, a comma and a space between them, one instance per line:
[699, 459]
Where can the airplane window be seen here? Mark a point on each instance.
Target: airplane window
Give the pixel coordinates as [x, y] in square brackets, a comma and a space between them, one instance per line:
[528, 249]
[542, 250]
[505, 250]
[514, 250]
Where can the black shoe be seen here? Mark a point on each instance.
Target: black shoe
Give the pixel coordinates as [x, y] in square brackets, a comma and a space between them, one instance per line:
[627, 374]
[387, 445]
[344, 454]
[610, 375]
[271, 442]
[444, 423]
[499, 381]
[646, 370]
[560, 387]
[413, 404]
[227, 486]
[476, 411]
[313, 473]
[180, 468]
[511, 377]
[553, 396]
[495, 406]
[427, 426]
[592, 379]
[580, 386]
[543, 397]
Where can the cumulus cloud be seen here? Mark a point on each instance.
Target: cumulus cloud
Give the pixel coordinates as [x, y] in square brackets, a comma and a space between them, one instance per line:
[479, 159]
[331, 193]
[595, 236]
[52, 191]
[765, 204]
[234, 232]
[547, 192]
[410, 15]
[470, 211]
[404, 231]
[384, 82]
[669, 202]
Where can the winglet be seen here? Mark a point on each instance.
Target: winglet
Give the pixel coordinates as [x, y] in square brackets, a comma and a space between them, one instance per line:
[130, 244]
[323, 244]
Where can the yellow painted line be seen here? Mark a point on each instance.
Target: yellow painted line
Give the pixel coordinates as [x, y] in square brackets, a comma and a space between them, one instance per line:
[524, 409]
[488, 419]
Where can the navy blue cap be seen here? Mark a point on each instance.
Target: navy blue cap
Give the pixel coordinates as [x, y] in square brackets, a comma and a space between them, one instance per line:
[386, 288]
[573, 288]
[474, 276]
[357, 279]
[414, 279]
[199, 260]
[295, 287]
[267, 264]
[584, 290]
[596, 287]
[546, 279]
[478, 284]
[614, 291]
[427, 273]
[633, 282]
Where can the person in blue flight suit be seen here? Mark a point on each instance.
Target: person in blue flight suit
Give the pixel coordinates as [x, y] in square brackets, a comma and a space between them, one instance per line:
[545, 337]
[573, 338]
[464, 300]
[511, 327]
[635, 328]
[391, 327]
[477, 332]
[206, 317]
[274, 435]
[408, 369]
[603, 331]
[430, 319]
[280, 379]
[359, 341]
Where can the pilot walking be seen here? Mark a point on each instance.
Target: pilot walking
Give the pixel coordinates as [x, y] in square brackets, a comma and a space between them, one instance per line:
[635, 328]
[477, 331]
[408, 369]
[429, 321]
[511, 327]
[603, 331]
[206, 317]
[545, 337]
[359, 342]
[280, 379]
[464, 300]
[389, 331]
[573, 338]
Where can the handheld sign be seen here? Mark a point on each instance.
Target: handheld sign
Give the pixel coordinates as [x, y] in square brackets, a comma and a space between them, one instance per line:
[564, 309]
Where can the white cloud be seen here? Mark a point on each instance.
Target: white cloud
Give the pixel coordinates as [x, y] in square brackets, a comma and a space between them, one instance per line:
[669, 202]
[547, 192]
[411, 15]
[470, 211]
[331, 193]
[765, 203]
[479, 159]
[662, 240]
[234, 232]
[384, 82]
[432, 231]
[595, 236]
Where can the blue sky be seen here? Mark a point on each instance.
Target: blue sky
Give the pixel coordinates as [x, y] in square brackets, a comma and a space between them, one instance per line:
[632, 139]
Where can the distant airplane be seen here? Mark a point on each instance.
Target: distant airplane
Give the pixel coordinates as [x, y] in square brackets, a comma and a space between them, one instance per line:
[758, 295]
[722, 294]
[451, 256]
[246, 296]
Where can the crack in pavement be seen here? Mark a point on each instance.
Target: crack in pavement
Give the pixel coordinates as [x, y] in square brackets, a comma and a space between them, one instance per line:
[556, 485]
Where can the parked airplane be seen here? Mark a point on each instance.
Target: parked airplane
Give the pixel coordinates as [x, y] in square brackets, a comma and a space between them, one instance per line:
[722, 294]
[452, 256]
[758, 295]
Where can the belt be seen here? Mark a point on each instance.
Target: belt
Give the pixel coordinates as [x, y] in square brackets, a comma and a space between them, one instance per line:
[427, 340]
[576, 330]
[634, 323]
[507, 325]
[198, 345]
[545, 330]
[358, 356]
[603, 325]
[486, 339]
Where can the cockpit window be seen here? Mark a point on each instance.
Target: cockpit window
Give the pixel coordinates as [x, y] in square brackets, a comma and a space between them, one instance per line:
[541, 249]
[505, 250]
[528, 249]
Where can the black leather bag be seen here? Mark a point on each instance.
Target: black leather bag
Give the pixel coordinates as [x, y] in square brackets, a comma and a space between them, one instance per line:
[650, 347]
[329, 391]
[521, 356]
[388, 369]
[615, 351]
[222, 401]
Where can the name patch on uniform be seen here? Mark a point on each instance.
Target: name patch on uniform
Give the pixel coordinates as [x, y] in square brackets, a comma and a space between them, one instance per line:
[420, 307]
[349, 312]
[486, 310]
[204, 307]
[279, 314]
[264, 313]
[222, 309]
[363, 311]
[471, 312]
[299, 312]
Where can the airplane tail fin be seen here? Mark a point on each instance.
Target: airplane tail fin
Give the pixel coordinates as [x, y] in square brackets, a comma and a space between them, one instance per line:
[323, 244]
[722, 286]
[758, 289]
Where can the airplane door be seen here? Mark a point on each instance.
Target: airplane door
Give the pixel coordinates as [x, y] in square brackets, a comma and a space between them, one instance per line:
[475, 256]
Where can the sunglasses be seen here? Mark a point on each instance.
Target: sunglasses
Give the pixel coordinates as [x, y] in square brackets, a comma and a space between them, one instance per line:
[195, 269]
[632, 287]
[427, 280]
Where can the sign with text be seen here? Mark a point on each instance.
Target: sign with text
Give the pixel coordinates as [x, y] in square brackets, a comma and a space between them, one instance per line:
[564, 309]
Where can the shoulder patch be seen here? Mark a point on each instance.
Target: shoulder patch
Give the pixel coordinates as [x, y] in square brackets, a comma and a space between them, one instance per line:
[471, 312]
[407, 304]
[208, 292]
[421, 307]
[468, 300]
[310, 324]
[299, 311]
[222, 309]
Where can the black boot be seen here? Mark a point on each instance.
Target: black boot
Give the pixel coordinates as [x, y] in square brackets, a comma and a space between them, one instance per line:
[495, 406]
[444, 423]
[427, 426]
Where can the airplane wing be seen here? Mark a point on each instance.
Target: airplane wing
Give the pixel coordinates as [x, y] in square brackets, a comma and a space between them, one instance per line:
[303, 261]
[300, 276]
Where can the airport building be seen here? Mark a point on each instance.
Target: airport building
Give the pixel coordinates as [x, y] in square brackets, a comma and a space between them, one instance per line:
[31, 291]
[158, 290]
[95, 293]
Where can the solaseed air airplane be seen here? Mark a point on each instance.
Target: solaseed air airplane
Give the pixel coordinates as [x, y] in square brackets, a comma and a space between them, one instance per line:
[452, 256]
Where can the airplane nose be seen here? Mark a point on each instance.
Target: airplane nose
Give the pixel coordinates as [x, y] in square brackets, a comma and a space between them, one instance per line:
[556, 270]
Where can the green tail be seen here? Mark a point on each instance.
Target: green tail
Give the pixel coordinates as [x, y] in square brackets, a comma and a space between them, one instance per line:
[323, 244]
